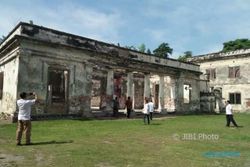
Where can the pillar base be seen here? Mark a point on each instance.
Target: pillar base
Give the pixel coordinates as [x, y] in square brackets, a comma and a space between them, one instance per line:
[163, 112]
[88, 114]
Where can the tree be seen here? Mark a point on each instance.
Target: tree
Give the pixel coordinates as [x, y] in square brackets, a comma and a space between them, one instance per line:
[2, 38]
[149, 51]
[187, 54]
[142, 48]
[163, 50]
[236, 44]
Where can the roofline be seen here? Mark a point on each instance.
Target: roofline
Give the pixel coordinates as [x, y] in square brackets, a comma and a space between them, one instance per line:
[78, 36]
[13, 30]
[225, 54]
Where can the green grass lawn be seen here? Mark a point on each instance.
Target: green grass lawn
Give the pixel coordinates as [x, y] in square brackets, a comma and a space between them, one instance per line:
[190, 141]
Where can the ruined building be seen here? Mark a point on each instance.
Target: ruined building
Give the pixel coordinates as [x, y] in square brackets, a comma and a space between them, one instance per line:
[228, 74]
[76, 75]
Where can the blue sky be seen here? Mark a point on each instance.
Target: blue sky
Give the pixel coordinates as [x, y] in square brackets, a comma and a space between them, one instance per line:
[187, 25]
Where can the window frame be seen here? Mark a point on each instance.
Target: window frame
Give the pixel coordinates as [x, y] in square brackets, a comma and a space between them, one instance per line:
[235, 98]
[211, 73]
[234, 72]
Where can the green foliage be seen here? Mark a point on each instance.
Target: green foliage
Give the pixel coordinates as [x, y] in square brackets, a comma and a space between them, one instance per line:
[149, 51]
[163, 50]
[142, 48]
[187, 54]
[236, 45]
[2, 38]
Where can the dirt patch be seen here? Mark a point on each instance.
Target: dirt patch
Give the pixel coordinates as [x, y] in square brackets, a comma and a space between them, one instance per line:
[43, 160]
[9, 160]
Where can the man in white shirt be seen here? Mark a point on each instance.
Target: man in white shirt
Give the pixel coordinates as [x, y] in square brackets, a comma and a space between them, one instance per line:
[229, 114]
[151, 109]
[24, 122]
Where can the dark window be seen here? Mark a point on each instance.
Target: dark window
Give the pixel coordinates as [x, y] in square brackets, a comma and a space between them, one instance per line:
[234, 72]
[1, 85]
[208, 74]
[235, 98]
[211, 74]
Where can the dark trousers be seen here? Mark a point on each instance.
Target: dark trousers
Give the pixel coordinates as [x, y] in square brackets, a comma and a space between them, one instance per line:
[128, 112]
[115, 112]
[23, 127]
[230, 118]
[146, 119]
[151, 116]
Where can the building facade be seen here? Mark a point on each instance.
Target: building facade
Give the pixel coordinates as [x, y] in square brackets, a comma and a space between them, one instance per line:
[76, 75]
[228, 76]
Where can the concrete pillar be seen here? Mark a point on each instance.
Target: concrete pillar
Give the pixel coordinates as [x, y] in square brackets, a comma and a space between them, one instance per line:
[109, 90]
[161, 94]
[146, 86]
[179, 93]
[86, 99]
[130, 85]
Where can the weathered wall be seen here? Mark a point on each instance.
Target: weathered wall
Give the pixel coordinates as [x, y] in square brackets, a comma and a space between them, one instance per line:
[207, 102]
[8, 101]
[43, 48]
[33, 76]
[231, 85]
[194, 83]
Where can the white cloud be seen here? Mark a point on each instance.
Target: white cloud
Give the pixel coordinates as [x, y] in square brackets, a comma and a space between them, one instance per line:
[199, 26]
[67, 17]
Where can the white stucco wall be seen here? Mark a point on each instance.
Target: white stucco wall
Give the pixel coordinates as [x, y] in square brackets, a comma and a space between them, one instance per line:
[8, 101]
[231, 85]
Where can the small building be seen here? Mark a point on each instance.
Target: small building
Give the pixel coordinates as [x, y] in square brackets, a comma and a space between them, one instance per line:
[228, 75]
[76, 75]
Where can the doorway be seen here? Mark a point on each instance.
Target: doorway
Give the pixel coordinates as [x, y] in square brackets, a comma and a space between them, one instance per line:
[57, 91]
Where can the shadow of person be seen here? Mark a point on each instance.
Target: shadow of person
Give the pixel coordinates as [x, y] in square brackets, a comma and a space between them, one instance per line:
[155, 123]
[51, 142]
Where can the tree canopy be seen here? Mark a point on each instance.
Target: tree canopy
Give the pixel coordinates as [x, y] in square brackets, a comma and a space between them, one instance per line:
[163, 50]
[187, 54]
[236, 44]
[149, 51]
[142, 48]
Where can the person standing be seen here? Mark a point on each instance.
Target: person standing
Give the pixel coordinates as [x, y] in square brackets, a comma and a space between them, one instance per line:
[129, 106]
[115, 106]
[24, 122]
[146, 112]
[229, 114]
[151, 109]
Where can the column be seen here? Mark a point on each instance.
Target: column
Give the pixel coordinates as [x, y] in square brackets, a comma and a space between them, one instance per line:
[161, 94]
[109, 90]
[146, 86]
[179, 93]
[130, 85]
[86, 98]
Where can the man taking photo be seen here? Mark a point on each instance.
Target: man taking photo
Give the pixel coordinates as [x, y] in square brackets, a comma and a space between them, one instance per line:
[24, 112]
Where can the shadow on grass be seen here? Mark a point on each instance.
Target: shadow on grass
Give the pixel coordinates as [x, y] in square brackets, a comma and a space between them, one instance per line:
[155, 123]
[52, 142]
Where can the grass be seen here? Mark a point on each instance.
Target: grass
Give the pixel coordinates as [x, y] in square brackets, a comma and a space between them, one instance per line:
[130, 143]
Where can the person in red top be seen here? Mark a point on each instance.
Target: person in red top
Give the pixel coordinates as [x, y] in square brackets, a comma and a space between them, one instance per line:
[128, 106]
